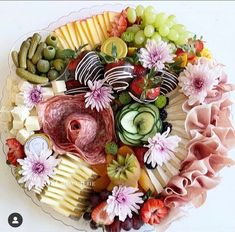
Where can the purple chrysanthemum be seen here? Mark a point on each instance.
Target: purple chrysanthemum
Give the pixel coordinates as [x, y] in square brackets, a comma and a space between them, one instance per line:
[32, 95]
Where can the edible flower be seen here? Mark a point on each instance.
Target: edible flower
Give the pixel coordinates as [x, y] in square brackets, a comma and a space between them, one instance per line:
[198, 80]
[156, 54]
[99, 97]
[206, 53]
[161, 148]
[32, 95]
[37, 169]
[123, 201]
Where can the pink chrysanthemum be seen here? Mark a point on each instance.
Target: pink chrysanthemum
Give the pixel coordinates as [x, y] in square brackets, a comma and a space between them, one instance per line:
[37, 169]
[99, 97]
[161, 148]
[198, 80]
[32, 95]
[123, 201]
[156, 54]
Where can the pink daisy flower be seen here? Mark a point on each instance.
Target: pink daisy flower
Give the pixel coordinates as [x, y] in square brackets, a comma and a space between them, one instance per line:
[32, 95]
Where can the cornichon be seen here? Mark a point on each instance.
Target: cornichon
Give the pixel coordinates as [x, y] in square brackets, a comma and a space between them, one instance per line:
[38, 54]
[31, 77]
[31, 67]
[34, 43]
[14, 56]
[65, 53]
[23, 54]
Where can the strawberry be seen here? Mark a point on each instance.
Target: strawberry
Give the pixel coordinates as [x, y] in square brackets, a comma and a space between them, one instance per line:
[139, 70]
[117, 63]
[139, 153]
[153, 211]
[16, 151]
[137, 86]
[179, 52]
[198, 46]
[100, 216]
[71, 84]
[73, 63]
[152, 94]
[119, 25]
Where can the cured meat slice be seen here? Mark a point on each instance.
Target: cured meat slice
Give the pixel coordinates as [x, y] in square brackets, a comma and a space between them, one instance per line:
[76, 129]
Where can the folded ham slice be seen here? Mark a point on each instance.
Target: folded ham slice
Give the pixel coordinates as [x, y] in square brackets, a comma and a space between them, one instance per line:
[76, 129]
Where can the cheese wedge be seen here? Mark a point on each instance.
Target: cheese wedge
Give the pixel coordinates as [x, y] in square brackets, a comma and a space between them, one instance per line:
[72, 33]
[87, 33]
[61, 38]
[112, 15]
[106, 20]
[98, 29]
[82, 35]
[67, 37]
[100, 19]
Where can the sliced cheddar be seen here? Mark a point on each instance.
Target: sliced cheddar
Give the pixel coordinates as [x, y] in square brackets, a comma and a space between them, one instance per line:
[87, 33]
[61, 38]
[98, 29]
[106, 19]
[72, 34]
[100, 19]
[67, 37]
[93, 32]
[82, 35]
[112, 15]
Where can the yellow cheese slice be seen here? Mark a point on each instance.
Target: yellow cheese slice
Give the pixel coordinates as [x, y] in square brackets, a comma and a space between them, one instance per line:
[72, 33]
[66, 35]
[106, 20]
[100, 19]
[92, 31]
[98, 29]
[61, 38]
[112, 15]
[82, 35]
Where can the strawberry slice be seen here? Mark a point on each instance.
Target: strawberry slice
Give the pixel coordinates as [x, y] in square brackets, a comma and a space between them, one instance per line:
[199, 45]
[119, 25]
[153, 211]
[152, 93]
[15, 151]
[137, 86]
[139, 153]
[139, 70]
[100, 216]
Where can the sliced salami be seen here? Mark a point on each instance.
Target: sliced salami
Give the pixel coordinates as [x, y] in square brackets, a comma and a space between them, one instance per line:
[76, 129]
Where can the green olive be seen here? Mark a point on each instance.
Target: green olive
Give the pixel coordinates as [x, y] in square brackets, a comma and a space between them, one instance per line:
[43, 66]
[52, 40]
[49, 53]
[59, 65]
[52, 74]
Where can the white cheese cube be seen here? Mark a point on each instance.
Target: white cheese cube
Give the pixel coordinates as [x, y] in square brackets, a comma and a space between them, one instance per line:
[22, 85]
[13, 132]
[47, 92]
[32, 123]
[58, 87]
[15, 88]
[23, 135]
[20, 113]
[17, 124]
[5, 114]
[13, 96]
[19, 99]
[33, 112]
[5, 126]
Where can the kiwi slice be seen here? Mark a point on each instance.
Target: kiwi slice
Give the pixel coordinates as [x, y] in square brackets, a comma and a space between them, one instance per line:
[144, 122]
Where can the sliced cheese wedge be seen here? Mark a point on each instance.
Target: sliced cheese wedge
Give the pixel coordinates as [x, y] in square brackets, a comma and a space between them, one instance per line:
[157, 185]
[61, 39]
[67, 37]
[72, 33]
[100, 19]
[98, 29]
[92, 31]
[106, 20]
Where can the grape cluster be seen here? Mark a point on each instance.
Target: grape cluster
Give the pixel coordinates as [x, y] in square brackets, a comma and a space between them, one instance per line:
[156, 26]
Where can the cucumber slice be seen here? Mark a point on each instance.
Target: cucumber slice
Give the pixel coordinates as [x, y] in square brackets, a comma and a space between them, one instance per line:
[123, 112]
[127, 122]
[144, 122]
[159, 125]
[134, 106]
[131, 141]
[155, 109]
[150, 135]
[148, 109]
[123, 139]
[133, 136]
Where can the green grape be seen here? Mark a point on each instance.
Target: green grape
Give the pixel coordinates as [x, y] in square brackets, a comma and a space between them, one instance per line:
[173, 35]
[148, 30]
[139, 37]
[134, 28]
[156, 37]
[181, 40]
[128, 36]
[149, 10]
[164, 30]
[172, 17]
[179, 28]
[173, 47]
[165, 39]
[169, 23]
[131, 15]
[160, 19]
[187, 34]
[150, 18]
[143, 23]
[139, 10]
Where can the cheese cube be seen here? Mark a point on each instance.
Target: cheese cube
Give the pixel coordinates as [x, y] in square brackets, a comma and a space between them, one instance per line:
[33, 112]
[17, 124]
[5, 114]
[47, 92]
[22, 85]
[13, 132]
[13, 96]
[20, 113]
[9, 83]
[32, 123]
[58, 87]
[23, 135]
[5, 126]
[19, 99]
